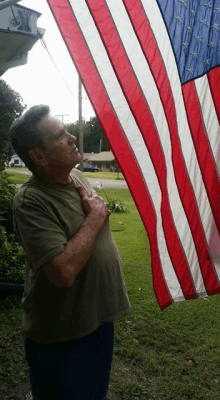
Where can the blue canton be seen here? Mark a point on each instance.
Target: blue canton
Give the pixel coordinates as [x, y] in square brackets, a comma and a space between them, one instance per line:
[194, 30]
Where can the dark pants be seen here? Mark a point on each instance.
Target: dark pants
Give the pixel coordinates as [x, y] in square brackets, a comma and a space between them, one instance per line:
[73, 370]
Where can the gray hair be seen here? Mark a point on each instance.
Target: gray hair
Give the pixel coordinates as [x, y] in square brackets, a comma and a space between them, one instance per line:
[25, 135]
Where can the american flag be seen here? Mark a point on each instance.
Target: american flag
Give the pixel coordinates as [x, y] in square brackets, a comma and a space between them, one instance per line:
[150, 69]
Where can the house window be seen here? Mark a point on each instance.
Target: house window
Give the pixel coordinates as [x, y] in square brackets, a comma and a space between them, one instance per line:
[16, 161]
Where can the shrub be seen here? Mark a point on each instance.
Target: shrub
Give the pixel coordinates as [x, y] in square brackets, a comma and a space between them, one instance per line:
[7, 193]
[116, 206]
[12, 259]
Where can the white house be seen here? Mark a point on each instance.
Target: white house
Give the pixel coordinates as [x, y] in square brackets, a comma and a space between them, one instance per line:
[16, 161]
[105, 161]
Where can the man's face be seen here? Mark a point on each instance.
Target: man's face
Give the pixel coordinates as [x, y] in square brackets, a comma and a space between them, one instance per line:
[60, 145]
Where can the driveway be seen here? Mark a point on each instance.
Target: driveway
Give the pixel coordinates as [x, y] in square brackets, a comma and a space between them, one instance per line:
[94, 182]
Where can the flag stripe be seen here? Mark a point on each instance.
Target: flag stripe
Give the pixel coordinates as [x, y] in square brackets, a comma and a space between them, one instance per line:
[214, 82]
[177, 209]
[202, 148]
[75, 42]
[132, 132]
[142, 27]
[138, 106]
[200, 240]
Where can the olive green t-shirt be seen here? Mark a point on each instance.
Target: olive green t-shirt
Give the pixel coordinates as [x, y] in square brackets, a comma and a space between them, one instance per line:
[46, 217]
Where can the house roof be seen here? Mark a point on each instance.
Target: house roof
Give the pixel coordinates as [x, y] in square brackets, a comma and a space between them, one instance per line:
[87, 155]
[103, 156]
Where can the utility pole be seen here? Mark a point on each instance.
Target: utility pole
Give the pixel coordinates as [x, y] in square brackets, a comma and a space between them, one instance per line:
[80, 125]
[62, 115]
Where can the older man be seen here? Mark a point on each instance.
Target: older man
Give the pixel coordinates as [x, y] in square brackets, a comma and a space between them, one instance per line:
[74, 287]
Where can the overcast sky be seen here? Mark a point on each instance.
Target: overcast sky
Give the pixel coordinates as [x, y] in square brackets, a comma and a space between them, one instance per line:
[39, 82]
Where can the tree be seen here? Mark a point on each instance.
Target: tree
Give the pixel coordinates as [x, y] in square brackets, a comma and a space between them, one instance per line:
[11, 107]
[94, 139]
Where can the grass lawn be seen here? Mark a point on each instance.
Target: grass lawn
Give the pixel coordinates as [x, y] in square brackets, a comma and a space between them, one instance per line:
[17, 178]
[99, 175]
[159, 355]
[105, 175]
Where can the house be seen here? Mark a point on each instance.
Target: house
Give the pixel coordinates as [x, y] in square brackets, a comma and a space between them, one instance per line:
[16, 161]
[105, 161]
[86, 157]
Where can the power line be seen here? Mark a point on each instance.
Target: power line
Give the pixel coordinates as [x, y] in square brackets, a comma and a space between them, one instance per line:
[62, 115]
[43, 42]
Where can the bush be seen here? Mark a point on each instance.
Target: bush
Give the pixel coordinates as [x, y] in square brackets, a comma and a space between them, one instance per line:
[116, 206]
[12, 260]
[7, 193]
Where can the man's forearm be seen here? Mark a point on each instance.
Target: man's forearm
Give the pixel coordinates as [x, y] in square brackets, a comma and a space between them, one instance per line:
[79, 248]
[77, 251]
[62, 269]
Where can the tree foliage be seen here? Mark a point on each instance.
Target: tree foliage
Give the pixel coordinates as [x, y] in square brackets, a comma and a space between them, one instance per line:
[94, 139]
[11, 107]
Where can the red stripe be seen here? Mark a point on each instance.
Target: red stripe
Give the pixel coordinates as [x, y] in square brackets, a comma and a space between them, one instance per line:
[214, 83]
[121, 149]
[139, 109]
[202, 147]
[208, 171]
[151, 51]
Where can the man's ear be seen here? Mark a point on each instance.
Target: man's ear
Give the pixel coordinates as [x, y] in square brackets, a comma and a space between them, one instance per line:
[37, 156]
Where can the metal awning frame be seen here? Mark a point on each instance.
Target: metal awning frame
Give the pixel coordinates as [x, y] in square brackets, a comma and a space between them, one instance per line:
[8, 3]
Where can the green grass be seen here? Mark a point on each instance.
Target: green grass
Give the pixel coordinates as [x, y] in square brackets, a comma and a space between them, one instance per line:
[105, 175]
[20, 168]
[159, 355]
[19, 178]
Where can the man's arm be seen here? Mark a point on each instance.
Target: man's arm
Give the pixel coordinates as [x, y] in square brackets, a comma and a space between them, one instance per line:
[62, 269]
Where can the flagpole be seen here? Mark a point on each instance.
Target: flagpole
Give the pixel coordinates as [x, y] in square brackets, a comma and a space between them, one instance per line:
[80, 125]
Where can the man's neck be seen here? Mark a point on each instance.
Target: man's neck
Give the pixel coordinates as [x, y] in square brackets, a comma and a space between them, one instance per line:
[61, 177]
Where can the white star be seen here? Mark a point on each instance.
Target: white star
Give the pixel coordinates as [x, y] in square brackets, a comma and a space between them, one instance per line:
[178, 19]
[207, 62]
[195, 55]
[211, 45]
[215, 27]
[185, 45]
[218, 9]
[204, 22]
[183, 2]
[208, 5]
[190, 71]
[193, 13]
[199, 38]
[189, 29]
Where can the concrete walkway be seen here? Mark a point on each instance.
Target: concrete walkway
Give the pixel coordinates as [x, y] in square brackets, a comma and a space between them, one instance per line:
[94, 182]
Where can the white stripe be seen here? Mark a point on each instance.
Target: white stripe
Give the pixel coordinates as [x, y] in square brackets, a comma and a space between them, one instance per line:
[213, 133]
[146, 81]
[209, 116]
[132, 132]
[184, 132]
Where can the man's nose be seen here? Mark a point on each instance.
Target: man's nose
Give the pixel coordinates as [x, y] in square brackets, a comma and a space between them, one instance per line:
[71, 138]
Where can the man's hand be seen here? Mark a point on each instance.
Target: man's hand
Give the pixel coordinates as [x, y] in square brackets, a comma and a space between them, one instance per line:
[93, 205]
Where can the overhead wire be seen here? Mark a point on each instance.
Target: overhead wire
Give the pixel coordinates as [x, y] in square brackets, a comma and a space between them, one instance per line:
[43, 43]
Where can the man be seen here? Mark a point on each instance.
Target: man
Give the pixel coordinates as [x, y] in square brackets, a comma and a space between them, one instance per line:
[74, 288]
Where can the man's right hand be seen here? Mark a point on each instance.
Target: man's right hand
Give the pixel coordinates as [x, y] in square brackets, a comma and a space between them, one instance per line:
[93, 205]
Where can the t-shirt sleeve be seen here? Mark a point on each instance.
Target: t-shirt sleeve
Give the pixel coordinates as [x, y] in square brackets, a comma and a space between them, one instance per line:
[39, 231]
